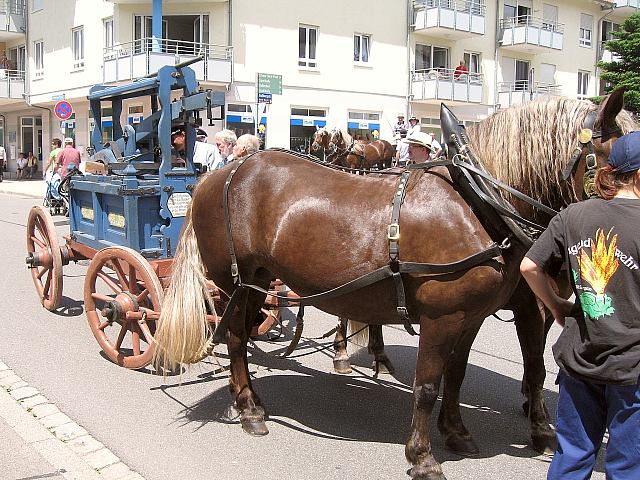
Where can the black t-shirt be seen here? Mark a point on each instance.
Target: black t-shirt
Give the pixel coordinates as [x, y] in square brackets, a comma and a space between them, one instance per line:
[600, 241]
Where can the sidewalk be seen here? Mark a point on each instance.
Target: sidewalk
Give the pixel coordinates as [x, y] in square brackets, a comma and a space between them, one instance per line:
[24, 188]
[39, 441]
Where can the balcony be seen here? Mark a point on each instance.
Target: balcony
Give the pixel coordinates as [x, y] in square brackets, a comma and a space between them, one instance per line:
[11, 85]
[627, 7]
[526, 34]
[136, 59]
[449, 18]
[606, 55]
[432, 86]
[12, 19]
[521, 91]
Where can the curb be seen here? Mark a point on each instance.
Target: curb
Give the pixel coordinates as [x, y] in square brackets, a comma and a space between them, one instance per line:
[59, 440]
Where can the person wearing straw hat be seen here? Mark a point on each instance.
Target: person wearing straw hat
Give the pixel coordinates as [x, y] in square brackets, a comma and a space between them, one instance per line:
[414, 125]
[419, 144]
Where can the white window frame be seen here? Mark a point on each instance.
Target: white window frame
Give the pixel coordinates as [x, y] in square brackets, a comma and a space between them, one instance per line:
[77, 47]
[361, 42]
[585, 35]
[584, 78]
[305, 61]
[107, 28]
[38, 58]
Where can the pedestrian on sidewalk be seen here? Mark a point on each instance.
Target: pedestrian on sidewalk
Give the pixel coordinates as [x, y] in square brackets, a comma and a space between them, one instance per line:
[68, 156]
[598, 351]
[32, 165]
[3, 154]
[52, 159]
[21, 166]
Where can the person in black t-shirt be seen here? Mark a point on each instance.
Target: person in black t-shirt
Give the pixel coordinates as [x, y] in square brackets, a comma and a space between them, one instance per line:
[598, 351]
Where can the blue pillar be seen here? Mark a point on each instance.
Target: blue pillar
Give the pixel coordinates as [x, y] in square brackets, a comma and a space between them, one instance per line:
[156, 26]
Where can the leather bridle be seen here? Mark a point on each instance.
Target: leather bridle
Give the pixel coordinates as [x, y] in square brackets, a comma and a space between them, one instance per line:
[585, 140]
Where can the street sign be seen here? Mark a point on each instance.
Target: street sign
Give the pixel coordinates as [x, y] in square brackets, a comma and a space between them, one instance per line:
[63, 110]
[264, 97]
[270, 83]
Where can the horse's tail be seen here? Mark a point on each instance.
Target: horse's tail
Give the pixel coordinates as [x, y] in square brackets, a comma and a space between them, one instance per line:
[183, 334]
[358, 333]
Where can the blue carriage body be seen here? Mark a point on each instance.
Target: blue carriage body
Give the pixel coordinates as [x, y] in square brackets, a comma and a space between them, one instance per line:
[142, 200]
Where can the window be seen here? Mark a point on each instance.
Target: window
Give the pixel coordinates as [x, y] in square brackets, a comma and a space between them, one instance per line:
[361, 45]
[307, 40]
[549, 16]
[518, 12]
[77, 47]
[38, 53]
[108, 34]
[37, 5]
[583, 84]
[472, 61]
[586, 27]
[429, 56]
[236, 107]
[308, 112]
[522, 75]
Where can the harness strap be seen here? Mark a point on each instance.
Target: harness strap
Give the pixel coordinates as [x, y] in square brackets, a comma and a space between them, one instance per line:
[219, 335]
[235, 272]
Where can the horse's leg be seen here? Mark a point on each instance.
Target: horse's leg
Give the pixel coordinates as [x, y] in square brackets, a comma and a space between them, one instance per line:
[532, 331]
[341, 362]
[252, 414]
[437, 337]
[381, 363]
[456, 436]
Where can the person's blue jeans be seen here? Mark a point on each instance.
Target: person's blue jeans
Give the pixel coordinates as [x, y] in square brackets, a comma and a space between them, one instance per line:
[585, 410]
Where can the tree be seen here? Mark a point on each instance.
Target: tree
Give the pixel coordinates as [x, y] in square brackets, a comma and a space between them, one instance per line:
[625, 70]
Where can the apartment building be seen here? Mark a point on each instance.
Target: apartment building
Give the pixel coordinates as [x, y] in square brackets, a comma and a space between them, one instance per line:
[353, 64]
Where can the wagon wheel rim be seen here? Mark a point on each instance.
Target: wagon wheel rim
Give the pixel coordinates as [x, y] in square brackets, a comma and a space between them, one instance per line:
[42, 243]
[120, 280]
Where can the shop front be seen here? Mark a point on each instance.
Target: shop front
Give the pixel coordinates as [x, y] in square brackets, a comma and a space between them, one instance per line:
[303, 124]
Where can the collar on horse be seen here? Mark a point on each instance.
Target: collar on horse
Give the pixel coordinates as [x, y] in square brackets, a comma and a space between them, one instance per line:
[585, 140]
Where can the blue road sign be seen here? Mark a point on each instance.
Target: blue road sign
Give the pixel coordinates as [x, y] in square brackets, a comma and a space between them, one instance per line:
[264, 97]
[63, 110]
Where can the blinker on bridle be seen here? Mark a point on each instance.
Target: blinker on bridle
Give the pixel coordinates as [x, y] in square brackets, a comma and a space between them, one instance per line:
[585, 140]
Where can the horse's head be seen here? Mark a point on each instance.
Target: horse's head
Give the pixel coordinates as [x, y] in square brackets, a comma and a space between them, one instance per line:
[600, 130]
[337, 138]
[321, 139]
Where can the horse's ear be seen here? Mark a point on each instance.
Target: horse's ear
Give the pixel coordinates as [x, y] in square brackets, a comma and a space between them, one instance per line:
[610, 107]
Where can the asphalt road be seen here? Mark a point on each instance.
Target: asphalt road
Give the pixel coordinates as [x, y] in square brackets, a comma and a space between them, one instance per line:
[322, 425]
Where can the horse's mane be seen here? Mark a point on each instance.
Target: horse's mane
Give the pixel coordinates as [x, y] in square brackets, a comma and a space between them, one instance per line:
[527, 146]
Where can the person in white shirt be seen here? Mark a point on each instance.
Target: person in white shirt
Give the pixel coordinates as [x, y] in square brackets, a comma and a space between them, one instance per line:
[3, 155]
[414, 125]
[225, 141]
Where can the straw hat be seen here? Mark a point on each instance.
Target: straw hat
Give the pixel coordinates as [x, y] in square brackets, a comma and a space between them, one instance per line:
[421, 139]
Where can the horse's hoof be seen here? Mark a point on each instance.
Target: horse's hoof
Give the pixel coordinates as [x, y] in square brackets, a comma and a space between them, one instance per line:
[256, 428]
[342, 366]
[383, 367]
[463, 446]
[546, 444]
[422, 473]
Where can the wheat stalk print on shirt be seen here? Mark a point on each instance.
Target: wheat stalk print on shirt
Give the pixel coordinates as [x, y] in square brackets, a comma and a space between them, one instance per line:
[597, 270]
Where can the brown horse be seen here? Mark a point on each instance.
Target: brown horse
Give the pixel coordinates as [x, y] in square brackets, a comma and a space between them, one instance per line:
[360, 154]
[322, 140]
[299, 235]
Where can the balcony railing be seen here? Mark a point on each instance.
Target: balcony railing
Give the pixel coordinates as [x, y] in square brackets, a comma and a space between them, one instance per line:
[12, 16]
[11, 84]
[458, 17]
[520, 91]
[446, 84]
[627, 7]
[607, 55]
[530, 33]
[144, 56]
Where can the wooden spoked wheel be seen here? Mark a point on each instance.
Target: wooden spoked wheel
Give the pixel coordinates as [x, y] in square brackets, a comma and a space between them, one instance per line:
[44, 257]
[122, 299]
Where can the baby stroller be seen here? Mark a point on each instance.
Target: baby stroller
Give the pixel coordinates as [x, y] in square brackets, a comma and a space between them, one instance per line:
[53, 199]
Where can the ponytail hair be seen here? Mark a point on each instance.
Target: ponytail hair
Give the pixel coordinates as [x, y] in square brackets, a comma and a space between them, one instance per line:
[608, 182]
